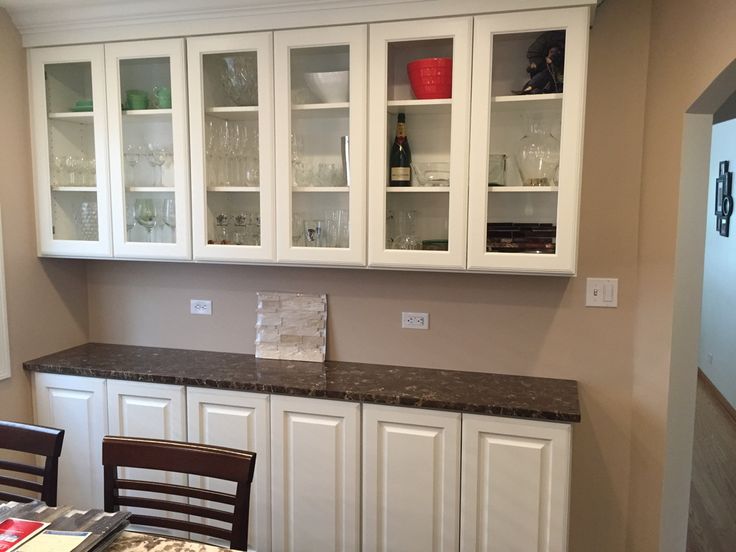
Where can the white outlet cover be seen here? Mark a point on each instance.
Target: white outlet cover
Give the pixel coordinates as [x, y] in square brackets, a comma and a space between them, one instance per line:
[415, 320]
[200, 307]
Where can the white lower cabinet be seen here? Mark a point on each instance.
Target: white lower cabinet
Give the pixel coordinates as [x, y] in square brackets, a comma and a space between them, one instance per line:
[306, 494]
[516, 478]
[315, 455]
[76, 405]
[152, 411]
[237, 420]
[411, 479]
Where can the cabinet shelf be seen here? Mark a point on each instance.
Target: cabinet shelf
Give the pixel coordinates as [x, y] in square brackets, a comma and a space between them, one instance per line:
[320, 106]
[442, 105]
[150, 189]
[240, 113]
[73, 188]
[419, 190]
[147, 115]
[527, 98]
[81, 117]
[523, 189]
[318, 189]
[238, 189]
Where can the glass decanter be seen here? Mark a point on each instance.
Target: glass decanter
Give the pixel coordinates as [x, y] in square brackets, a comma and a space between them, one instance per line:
[538, 155]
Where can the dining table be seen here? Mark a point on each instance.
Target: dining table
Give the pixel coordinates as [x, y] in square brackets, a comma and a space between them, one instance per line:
[106, 529]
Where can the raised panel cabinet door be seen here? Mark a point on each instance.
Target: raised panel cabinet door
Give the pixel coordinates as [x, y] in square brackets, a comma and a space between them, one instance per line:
[321, 144]
[315, 475]
[516, 485]
[419, 223]
[149, 149]
[152, 411]
[526, 150]
[78, 406]
[237, 420]
[411, 479]
[231, 131]
[69, 132]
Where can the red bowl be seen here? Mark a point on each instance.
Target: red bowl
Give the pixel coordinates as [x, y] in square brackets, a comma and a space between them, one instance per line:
[430, 78]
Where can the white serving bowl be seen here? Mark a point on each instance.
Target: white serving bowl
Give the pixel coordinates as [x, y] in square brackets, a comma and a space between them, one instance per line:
[329, 86]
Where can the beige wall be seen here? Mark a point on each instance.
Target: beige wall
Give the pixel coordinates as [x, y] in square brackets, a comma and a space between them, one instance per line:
[690, 46]
[47, 300]
[516, 325]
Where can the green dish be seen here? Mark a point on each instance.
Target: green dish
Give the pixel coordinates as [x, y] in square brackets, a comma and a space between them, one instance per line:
[78, 108]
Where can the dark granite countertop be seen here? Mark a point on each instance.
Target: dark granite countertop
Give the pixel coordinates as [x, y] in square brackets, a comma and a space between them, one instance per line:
[471, 392]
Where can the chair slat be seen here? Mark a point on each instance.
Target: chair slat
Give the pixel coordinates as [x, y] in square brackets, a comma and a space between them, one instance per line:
[21, 484]
[180, 507]
[180, 525]
[10, 497]
[178, 490]
[22, 468]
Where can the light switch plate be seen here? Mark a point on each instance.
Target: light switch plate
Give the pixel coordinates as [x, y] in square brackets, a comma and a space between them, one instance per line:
[601, 292]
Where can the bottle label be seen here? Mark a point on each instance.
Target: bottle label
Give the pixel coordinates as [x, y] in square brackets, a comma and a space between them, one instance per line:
[402, 174]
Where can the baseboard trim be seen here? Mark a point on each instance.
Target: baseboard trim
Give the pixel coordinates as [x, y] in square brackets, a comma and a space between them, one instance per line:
[718, 395]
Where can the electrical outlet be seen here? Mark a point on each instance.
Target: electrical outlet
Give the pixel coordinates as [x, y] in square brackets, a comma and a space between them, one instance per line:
[200, 306]
[415, 320]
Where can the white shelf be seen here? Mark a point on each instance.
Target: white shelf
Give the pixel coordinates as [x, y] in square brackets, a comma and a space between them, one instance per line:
[442, 105]
[320, 106]
[522, 189]
[318, 189]
[151, 189]
[147, 115]
[74, 188]
[241, 112]
[527, 98]
[234, 189]
[82, 117]
[418, 189]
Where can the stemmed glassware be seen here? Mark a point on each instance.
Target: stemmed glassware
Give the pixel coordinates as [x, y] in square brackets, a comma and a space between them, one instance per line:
[157, 157]
[145, 215]
[133, 155]
[169, 214]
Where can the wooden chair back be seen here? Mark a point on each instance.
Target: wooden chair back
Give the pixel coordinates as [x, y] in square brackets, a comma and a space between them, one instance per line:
[31, 439]
[188, 458]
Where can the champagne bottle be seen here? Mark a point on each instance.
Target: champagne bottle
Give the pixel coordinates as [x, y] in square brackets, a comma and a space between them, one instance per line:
[400, 156]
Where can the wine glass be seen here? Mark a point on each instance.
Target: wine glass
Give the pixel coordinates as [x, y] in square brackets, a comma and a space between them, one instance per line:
[157, 156]
[169, 214]
[210, 150]
[71, 164]
[130, 221]
[133, 156]
[145, 215]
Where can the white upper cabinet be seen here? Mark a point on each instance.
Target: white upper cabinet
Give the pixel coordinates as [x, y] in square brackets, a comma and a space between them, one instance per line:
[526, 150]
[320, 145]
[231, 130]
[69, 122]
[421, 224]
[149, 161]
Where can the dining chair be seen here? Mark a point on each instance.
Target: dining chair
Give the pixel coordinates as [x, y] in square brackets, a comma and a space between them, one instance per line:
[31, 439]
[188, 458]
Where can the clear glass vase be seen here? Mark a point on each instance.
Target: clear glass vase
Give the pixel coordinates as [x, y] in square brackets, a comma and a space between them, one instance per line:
[538, 156]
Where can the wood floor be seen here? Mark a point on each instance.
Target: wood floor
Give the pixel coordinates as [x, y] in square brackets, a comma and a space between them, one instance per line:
[712, 526]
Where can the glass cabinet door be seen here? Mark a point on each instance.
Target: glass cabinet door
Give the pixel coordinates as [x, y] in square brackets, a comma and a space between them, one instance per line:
[320, 145]
[420, 73]
[231, 114]
[70, 153]
[147, 114]
[526, 141]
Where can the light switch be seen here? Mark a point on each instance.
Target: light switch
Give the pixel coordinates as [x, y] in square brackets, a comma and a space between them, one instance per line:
[601, 292]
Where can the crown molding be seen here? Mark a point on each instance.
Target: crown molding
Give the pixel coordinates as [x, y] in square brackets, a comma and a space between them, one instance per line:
[57, 22]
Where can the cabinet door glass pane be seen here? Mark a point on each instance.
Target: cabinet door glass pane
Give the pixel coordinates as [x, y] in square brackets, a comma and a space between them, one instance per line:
[147, 139]
[524, 150]
[320, 146]
[72, 151]
[418, 199]
[230, 87]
